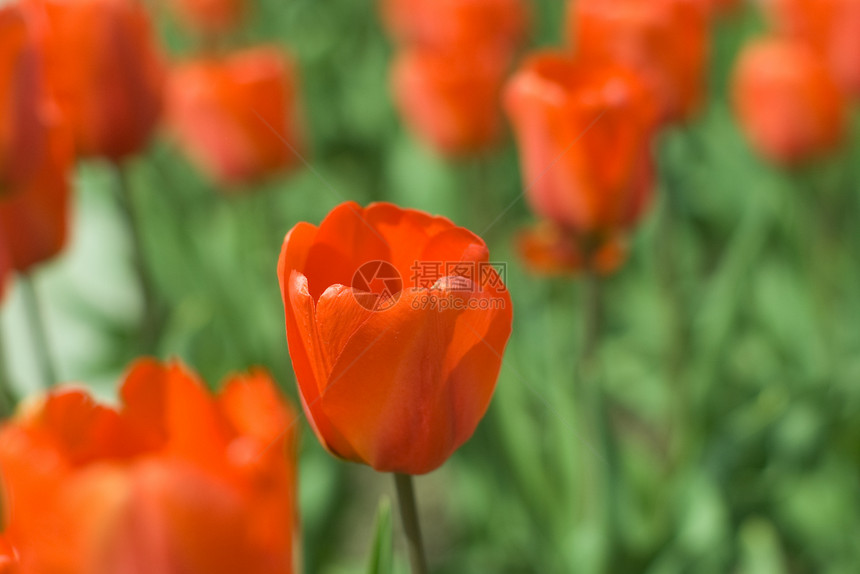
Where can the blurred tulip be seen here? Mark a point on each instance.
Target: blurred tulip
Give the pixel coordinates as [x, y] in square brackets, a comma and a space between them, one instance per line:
[665, 41]
[392, 376]
[448, 24]
[787, 102]
[8, 557]
[175, 481]
[451, 99]
[210, 17]
[105, 68]
[584, 135]
[237, 118]
[548, 249]
[34, 216]
[22, 102]
[830, 27]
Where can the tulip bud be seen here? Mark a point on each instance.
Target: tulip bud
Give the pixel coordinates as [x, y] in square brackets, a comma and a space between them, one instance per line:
[584, 135]
[238, 118]
[829, 27]
[665, 41]
[788, 104]
[451, 99]
[105, 67]
[396, 323]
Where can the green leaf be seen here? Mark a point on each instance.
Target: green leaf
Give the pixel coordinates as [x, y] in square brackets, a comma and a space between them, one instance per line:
[382, 552]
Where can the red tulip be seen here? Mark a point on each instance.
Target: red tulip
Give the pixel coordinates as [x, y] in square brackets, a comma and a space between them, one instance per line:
[584, 135]
[237, 118]
[788, 104]
[548, 249]
[451, 99]
[665, 41]
[22, 105]
[210, 16]
[34, 217]
[448, 24]
[830, 27]
[171, 482]
[8, 557]
[107, 73]
[396, 326]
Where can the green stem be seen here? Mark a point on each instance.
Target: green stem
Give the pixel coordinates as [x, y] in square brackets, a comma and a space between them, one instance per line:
[37, 324]
[411, 526]
[151, 323]
[8, 396]
[596, 404]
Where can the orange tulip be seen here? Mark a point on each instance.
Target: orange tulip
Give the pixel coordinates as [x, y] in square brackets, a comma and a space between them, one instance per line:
[34, 216]
[22, 122]
[210, 16]
[548, 249]
[237, 118]
[830, 27]
[8, 557]
[448, 24]
[665, 41]
[396, 324]
[171, 482]
[787, 102]
[451, 99]
[584, 134]
[108, 76]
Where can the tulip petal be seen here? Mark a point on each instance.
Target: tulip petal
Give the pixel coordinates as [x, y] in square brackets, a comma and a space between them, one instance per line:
[344, 242]
[384, 391]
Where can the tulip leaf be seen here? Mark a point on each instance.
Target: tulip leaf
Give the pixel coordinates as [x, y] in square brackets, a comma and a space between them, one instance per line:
[382, 552]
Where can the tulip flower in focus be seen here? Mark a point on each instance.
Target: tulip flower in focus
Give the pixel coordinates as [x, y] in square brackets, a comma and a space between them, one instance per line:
[396, 324]
[22, 105]
[830, 27]
[665, 41]
[237, 118]
[788, 104]
[450, 98]
[174, 481]
[584, 134]
[447, 24]
[210, 17]
[547, 249]
[105, 68]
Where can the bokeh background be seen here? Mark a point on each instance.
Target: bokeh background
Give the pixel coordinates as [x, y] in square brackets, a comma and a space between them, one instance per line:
[731, 349]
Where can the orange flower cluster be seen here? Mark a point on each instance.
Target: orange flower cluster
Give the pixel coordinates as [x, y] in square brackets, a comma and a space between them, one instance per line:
[396, 366]
[791, 89]
[236, 116]
[174, 480]
[453, 58]
[585, 120]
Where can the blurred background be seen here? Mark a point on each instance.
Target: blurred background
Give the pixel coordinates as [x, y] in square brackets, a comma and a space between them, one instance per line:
[731, 349]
